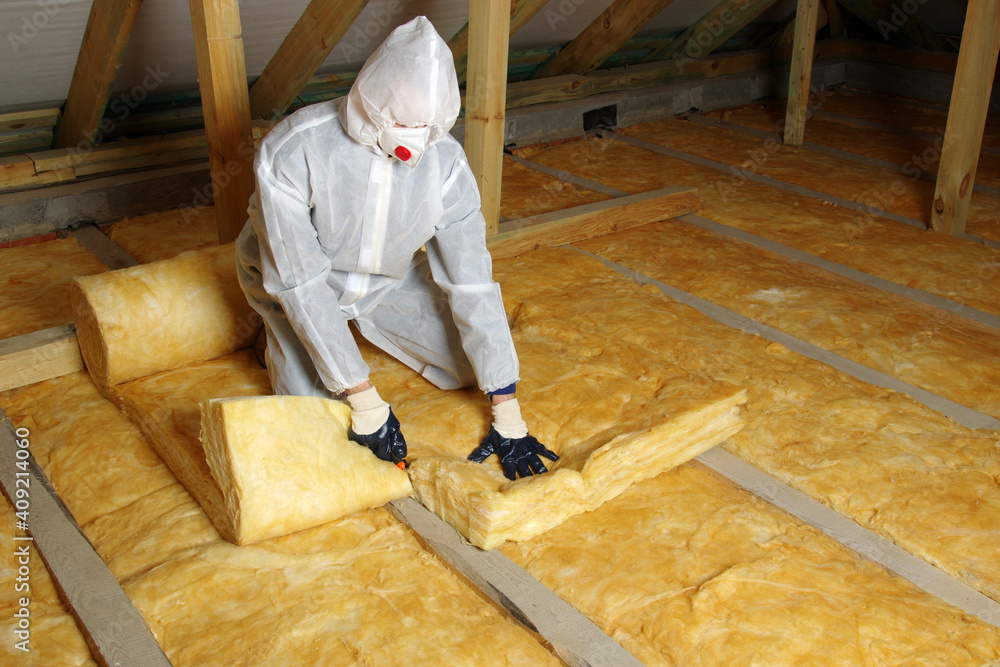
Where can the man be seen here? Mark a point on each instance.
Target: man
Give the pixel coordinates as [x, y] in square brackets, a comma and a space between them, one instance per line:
[366, 211]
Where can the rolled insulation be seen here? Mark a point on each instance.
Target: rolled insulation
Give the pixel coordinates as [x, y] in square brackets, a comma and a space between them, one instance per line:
[284, 464]
[160, 316]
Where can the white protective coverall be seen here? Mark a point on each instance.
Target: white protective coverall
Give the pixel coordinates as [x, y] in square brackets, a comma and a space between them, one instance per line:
[337, 225]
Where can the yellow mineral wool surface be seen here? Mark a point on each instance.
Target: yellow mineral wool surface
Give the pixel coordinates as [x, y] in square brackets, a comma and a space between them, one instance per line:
[52, 637]
[34, 284]
[895, 335]
[97, 460]
[685, 569]
[155, 236]
[959, 270]
[869, 185]
[527, 191]
[916, 155]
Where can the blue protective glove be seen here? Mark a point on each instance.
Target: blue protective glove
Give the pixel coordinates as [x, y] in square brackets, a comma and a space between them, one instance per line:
[387, 443]
[518, 456]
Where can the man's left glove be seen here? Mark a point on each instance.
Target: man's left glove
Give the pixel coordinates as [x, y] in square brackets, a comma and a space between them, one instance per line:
[374, 426]
[387, 443]
[518, 456]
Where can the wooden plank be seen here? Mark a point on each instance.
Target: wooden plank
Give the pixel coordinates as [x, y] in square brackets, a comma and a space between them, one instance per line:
[25, 141]
[589, 220]
[27, 120]
[521, 11]
[222, 80]
[110, 253]
[603, 37]
[113, 628]
[124, 154]
[575, 638]
[321, 26]
[108, 29]
[800, 76]
[38, 356]
[709, 32]
[485, 101]
[970, 99]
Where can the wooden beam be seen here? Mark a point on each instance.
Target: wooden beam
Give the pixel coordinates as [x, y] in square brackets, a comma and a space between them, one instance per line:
[800, 76]
[108, 29]
[710, 31]
[589, 220]
[321, 26]
[836, 18]
[521, 11]
[485, 100]
[38, 356]
[113, 628]
[970, 99]
[222, 79]
[603, 37]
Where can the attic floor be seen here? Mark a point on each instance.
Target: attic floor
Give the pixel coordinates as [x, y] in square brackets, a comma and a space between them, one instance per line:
[685, 567]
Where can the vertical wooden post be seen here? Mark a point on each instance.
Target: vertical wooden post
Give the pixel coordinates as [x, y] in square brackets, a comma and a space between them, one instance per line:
[485, 100]
[836, 18]
[222, 77]
[801, 73]
[108, 29]
[970, 99]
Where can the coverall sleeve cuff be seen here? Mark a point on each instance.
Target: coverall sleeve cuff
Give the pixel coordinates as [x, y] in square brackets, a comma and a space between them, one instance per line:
[509, 389]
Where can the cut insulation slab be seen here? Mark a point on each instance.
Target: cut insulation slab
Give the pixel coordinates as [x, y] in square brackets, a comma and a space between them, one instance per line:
[358, 590]
[156, 236]
[950, 267]
[865, 184]
[285, 463]
[30, 605]
[686, 569]
[916, 343]
[488, 509]
[34, 284]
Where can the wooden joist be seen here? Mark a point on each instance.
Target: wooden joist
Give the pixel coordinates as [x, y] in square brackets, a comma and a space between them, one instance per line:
[521, 11]
[603, 37]
[710, 31]
[39, 356]
[579, 223]
[108, 29]
[485, 101]
[222, 79]
[800, 75]
[970, 99]
[321, 26]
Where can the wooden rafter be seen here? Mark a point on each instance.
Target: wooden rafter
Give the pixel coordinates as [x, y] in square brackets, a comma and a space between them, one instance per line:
[970, 99]
[521, 11]
[835, 17]
[710, 31]
[318, 30]
[108, 29]
[603, 37]
[485, 100]
[806, 14]
[225, 99]
[896, 23]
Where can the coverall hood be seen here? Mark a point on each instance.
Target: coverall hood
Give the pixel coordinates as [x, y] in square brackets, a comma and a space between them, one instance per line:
[409, 82]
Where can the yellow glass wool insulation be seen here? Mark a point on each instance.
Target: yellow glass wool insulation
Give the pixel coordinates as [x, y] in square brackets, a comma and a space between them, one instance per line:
[34, 284]
[51, 635]
[903, 338]
[153, 317]
[156, 236]
[941, 264]
[686, 569]
[284, 463]
[865, 184]
[527, 192]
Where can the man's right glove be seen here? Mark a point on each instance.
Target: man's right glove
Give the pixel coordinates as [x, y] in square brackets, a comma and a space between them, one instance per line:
[518, 456]
[368, 410]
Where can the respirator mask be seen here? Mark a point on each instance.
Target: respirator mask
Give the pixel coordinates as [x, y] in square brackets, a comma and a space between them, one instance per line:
[407, 144]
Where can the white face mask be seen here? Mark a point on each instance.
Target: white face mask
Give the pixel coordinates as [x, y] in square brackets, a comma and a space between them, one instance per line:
[407, 144]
